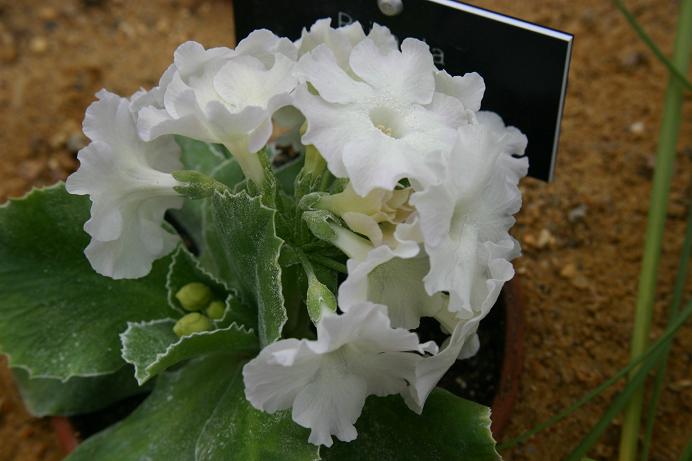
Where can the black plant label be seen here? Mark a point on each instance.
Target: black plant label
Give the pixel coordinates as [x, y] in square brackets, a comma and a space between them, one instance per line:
[524, 65]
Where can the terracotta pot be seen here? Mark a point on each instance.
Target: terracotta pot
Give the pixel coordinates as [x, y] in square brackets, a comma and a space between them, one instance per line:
[503, 403]
[513, 357]
[68, 438]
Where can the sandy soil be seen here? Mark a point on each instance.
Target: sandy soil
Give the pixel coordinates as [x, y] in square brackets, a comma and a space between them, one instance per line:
[582, 234]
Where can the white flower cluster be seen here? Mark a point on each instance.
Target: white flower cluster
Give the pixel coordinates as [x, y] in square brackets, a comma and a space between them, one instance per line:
[432, 189]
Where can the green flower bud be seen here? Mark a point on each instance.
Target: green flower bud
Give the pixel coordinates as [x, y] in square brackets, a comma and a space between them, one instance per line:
[195, 185]
[191, 323]
[215, 310]
[321, 224]
[194, 296]
[319, 298]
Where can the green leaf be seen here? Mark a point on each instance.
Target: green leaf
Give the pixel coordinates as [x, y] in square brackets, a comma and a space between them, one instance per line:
[238, 431]
[152, 347]
[241, 235]
[200, 156]
[286, 174]
[199, 412]
[449, 428]
[44, 397]
[230, 174]
[59, 318]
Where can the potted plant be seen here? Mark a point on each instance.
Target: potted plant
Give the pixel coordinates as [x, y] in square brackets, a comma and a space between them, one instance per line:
[305, 311]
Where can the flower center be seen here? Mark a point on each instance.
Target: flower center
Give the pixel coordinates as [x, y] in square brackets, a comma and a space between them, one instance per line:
[387, 121]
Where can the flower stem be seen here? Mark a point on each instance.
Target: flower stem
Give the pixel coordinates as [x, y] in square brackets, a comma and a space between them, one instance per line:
[656, 223]
[328, 262]
[251, 166]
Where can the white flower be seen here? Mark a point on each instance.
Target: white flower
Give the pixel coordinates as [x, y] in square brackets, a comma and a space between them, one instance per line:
[392, 275]
[375, 215]
[466, 218]
[463, 343]
[326, 381]
[225, 96]
[130, 187]
[383, 120]
[468, 89]
[342, 39]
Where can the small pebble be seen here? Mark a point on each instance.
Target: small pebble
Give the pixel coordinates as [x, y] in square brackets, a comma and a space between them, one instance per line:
[577, 213]
[529, 240]
[545, 238]
[38, 45]
[57, 140]
[127, 29]
[47, 13]
[581, 282]
[569, 271]
[162, 25]
[637, 127]
[631, 59]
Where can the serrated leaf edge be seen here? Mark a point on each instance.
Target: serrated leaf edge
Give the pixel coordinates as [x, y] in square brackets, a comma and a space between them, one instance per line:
[29, 193]
[10, 361]
[258, 200]
[130, 325]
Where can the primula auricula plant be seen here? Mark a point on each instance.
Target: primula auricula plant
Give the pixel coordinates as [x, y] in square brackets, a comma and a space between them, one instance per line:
[293, 299]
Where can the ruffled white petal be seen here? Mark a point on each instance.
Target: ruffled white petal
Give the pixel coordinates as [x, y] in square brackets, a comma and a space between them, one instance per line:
[329, 128]
[321, 68]
[465, 219]
[468, 88]
[378, 120]
[265, 46]
[326, 381]
[340, 40]
[407, 74]
[430, 370]
[393, 278]
[464, 222]
[130, 187]
[224, 96]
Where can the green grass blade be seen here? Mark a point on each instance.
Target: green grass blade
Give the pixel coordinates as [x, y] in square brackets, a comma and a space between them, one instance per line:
[647, 356]
[651, 44]
[663, 173]
[687, 453]
[678, 290]
[615, 408]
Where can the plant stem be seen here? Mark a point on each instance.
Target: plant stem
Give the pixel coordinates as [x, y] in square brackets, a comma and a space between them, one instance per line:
[665, 155]
[678, 290]
[328, 262]
[665, 339]
[651, 44]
